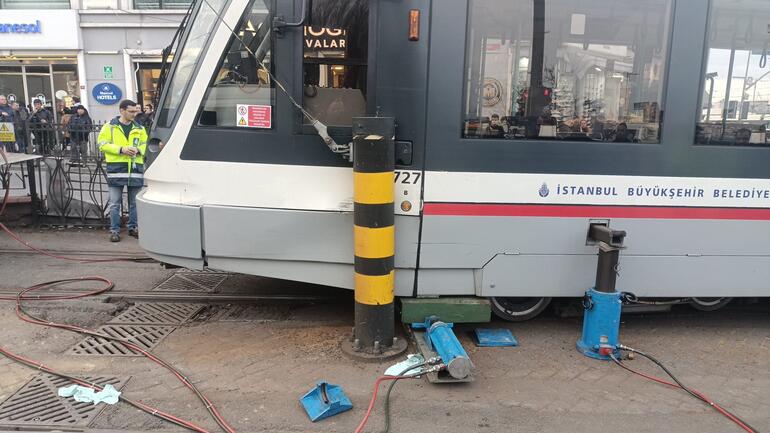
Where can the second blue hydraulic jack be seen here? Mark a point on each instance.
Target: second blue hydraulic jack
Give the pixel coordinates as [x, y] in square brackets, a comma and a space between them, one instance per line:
[602, 304]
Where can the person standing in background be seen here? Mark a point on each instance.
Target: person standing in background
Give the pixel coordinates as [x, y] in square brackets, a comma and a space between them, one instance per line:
[40, 125]
[6, 115]
[20, 116]
[79, 129]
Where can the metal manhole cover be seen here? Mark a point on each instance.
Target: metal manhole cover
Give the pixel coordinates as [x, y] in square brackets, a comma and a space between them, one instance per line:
[37, 404]
[157, 314]
[255, 313]
[145, 336]
[193, 282]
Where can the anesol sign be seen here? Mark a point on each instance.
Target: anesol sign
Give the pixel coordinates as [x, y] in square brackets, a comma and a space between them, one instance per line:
[325, 39]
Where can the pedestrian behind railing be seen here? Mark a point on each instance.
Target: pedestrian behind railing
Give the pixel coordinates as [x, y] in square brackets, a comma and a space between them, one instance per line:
[76, 140]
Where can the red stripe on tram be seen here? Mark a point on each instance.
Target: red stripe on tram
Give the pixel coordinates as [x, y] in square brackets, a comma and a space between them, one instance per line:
[652, 212]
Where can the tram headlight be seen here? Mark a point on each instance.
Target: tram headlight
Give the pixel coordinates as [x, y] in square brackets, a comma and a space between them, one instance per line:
[406, 206]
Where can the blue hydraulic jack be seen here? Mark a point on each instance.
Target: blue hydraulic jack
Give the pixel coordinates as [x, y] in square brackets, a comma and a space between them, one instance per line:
[440, 338]
[602, 304]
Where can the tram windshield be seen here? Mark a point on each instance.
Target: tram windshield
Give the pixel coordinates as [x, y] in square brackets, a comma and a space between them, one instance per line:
[186, 60]
[243, 77]
[566, 69]
[735, 107]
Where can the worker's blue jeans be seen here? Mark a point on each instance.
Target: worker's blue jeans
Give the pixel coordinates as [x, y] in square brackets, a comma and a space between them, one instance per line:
[116, 203]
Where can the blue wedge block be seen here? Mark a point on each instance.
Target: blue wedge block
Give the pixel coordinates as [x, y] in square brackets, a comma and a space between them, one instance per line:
[325, 400]
[495, 338]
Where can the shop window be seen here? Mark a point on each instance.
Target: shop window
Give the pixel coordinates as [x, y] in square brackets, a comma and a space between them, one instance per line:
[39, 85]
[241, 92]
[12, 84]
[34, 4]
[335, 52]
[66, 84]
[162, 4]
[736, 85]
[100, 4]
[580, 70]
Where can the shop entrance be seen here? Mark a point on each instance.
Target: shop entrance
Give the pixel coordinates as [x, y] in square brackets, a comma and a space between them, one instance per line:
[147, 74]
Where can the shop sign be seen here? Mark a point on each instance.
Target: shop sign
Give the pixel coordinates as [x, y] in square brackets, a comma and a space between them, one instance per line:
[108, 73]
[254, 116]
[21, 28]
[324, 39]
[6, 132]
[27, 29]
[107, 93]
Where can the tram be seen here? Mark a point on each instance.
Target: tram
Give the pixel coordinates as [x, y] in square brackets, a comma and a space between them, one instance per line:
[519, 124]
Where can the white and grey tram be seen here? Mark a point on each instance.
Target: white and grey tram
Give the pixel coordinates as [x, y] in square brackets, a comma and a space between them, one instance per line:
[519, 124]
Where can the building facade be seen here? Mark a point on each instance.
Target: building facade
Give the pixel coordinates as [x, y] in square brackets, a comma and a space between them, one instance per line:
[97, 51]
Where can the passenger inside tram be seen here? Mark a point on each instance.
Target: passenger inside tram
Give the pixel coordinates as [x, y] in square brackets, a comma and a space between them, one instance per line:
[566, 69]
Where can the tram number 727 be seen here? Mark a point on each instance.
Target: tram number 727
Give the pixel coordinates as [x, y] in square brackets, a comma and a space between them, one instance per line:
[407, 177]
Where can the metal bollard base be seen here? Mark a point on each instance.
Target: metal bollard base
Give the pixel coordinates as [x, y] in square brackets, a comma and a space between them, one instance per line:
[375, 353]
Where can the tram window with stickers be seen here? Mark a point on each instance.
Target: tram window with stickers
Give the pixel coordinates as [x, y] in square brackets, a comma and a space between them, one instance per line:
[242, 86]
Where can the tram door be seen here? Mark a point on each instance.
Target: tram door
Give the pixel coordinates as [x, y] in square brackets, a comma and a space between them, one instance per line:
[398, 71]
[363, 58]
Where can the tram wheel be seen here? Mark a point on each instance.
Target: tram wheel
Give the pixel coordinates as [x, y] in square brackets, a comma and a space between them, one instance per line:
[517, 309]
[709, 304]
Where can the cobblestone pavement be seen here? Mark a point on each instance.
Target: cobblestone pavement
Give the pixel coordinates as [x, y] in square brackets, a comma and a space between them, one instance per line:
[255, 370]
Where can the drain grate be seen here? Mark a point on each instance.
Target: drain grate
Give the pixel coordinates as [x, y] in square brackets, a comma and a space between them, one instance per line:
[37, 404]
[157, 314]
[200, 271]
[145, 336]
[255, 313]
[193, 282]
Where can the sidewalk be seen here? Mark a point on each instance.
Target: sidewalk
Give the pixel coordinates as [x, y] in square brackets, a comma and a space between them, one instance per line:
[20, 267]
[256, 369]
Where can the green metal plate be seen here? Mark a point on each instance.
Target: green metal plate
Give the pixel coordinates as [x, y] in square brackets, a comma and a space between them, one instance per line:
[449, 309]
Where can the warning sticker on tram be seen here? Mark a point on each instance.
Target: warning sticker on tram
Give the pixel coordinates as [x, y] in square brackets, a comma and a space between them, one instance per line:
[6, 132]
[254, 116]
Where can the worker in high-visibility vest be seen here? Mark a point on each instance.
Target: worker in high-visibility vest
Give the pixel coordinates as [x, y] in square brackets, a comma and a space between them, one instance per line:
[124, 143]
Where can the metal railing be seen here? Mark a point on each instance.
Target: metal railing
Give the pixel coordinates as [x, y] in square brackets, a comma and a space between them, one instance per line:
[70, 180]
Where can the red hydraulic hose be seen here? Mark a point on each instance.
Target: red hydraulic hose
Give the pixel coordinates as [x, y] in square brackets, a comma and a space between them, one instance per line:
[360, 427]
[23, 295]
[712, 403]
[147, 408]
[108, 285]
[18, 239]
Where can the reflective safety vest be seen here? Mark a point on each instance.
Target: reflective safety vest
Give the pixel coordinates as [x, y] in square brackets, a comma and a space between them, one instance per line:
[123, 169]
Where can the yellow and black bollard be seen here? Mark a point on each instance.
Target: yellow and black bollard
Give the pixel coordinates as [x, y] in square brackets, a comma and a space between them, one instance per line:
[374, 240]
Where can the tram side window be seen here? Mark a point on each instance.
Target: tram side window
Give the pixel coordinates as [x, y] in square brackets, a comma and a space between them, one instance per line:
[241, 92]
[335, 49]
[735, 104]
[578, 70]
